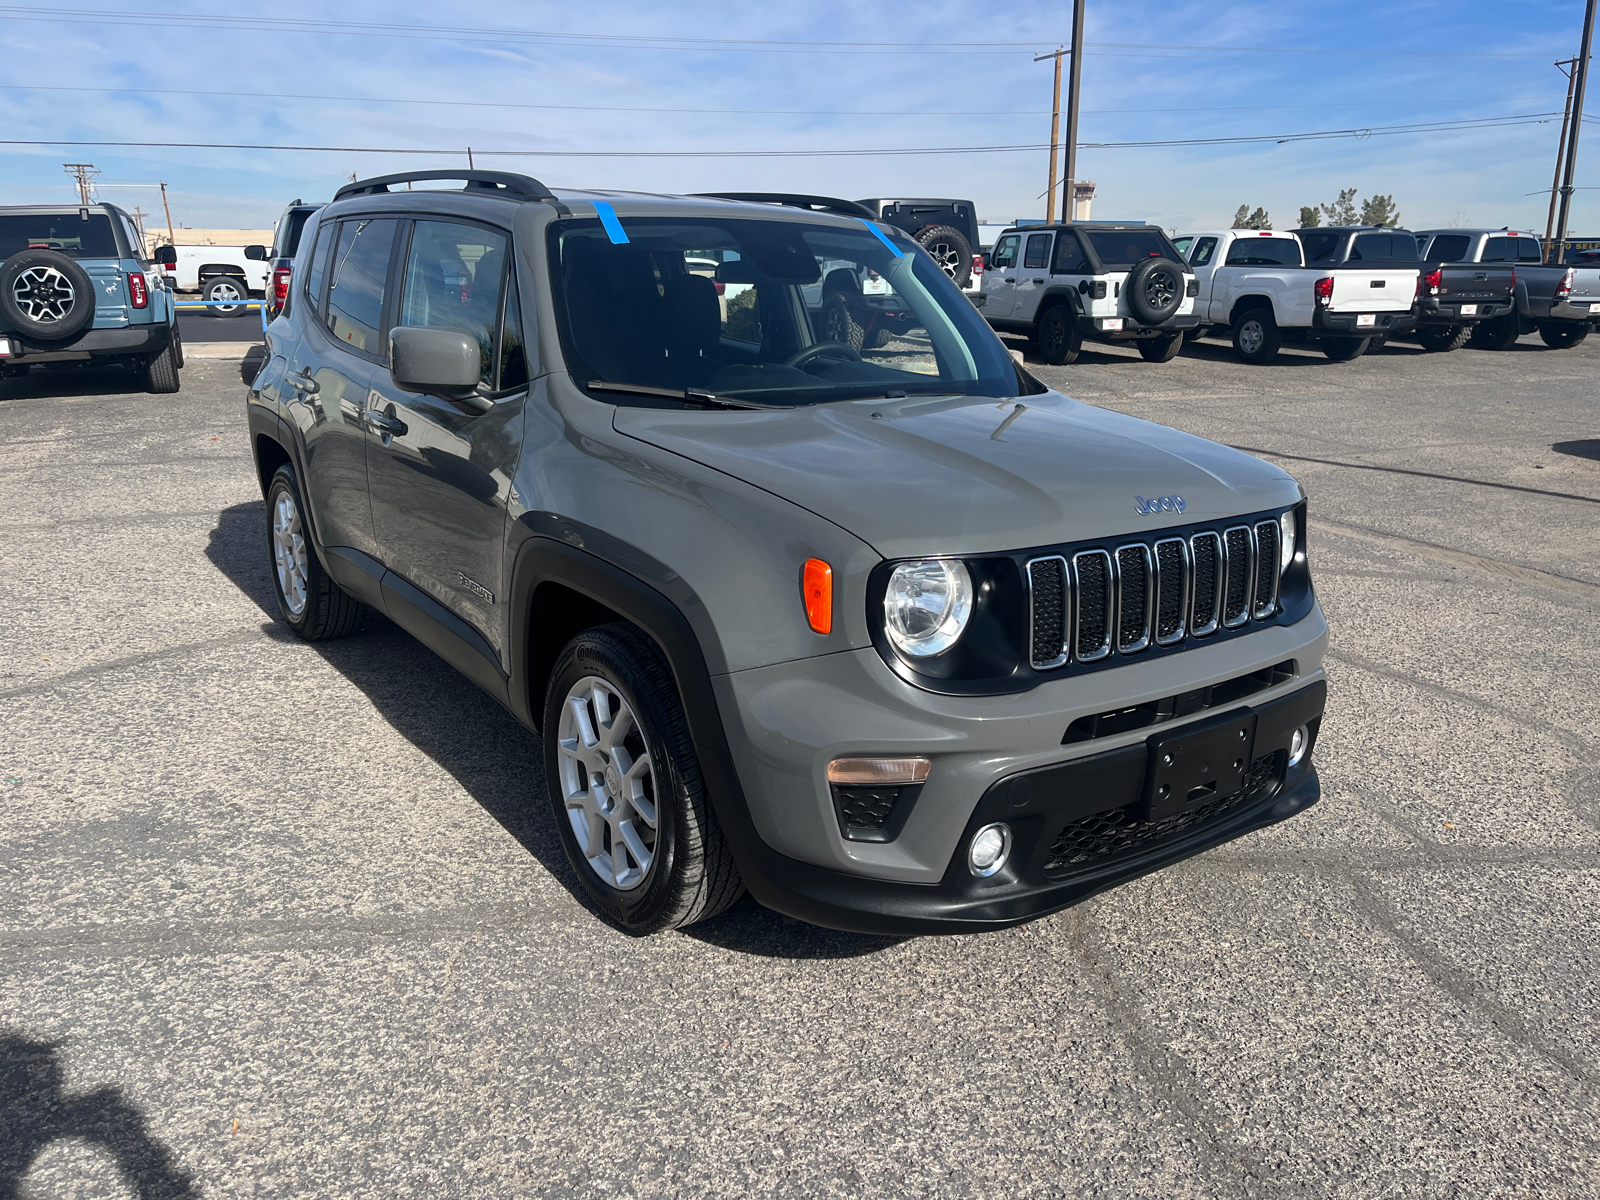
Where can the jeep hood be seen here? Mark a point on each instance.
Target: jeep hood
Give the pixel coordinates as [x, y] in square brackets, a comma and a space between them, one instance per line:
[970, 475]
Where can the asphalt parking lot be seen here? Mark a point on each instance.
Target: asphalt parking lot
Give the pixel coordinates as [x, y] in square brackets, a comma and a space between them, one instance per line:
[281, 919]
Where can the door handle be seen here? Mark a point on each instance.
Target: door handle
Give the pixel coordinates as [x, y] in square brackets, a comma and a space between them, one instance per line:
[1010, 279]
[303, 382]
[380, 422]
[1038, 281]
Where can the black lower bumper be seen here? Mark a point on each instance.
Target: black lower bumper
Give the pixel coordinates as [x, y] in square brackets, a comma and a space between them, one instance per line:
[126, 342]
[1431, 311]
[1327, 324]
[1076, 830]
[1132, 329]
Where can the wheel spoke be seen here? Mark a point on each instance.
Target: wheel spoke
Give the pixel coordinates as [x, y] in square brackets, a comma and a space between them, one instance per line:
[579, 707]
[636, 846]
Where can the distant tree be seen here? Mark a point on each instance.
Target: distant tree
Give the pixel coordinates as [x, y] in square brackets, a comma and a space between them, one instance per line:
[1245, 219]
[1379, 210]
[1343, 210]
[1310, 218]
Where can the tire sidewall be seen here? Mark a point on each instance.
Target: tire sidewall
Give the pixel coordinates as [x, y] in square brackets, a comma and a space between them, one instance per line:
[1148, 313]
[1056, 315]
[957, 241]
[1269, 339]
[238, 284]
[79, 317]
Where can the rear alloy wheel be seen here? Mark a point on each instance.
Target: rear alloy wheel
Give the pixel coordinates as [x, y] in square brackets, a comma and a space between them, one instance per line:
[312, 604]
[1441, 339]
[1161, 349]
[1562, 335]
[1058, 338]
[1345, 349]
[224, 288]
[1499, 334]
[1256, 336]
[950, 249]
[625, 786]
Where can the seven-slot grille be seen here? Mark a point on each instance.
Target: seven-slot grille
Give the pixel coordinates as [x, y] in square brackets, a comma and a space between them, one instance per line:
[1101, 602]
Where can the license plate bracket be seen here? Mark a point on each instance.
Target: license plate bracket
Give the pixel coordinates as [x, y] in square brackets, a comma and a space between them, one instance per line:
[1366, 319]
[1204, 762]
[1469, 310]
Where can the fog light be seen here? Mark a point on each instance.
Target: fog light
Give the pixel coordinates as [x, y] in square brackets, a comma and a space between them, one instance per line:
[1298, 741]
[990, 848]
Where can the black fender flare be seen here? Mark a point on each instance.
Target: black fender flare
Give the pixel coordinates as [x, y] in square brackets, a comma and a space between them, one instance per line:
[1058, 293]
[263, 422]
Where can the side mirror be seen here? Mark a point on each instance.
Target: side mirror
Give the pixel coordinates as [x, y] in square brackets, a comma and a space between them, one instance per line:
[167, 256]
[256, 253]
[445, 363]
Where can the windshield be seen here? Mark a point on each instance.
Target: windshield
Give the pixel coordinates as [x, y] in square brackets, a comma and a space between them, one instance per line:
[1124, 247]
[776, 312]
[66, 232]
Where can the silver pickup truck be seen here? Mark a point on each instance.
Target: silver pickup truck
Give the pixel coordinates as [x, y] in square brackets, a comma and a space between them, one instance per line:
[1561, 302]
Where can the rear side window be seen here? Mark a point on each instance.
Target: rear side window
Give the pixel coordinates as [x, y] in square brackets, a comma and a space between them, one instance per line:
[360, 271]
[318, 270]
[1384, 247]
[1320, 247]
[1005, 252]
[1124, 247]
[1263, 252]
[1069, 256]
[452, 280]
[66, 232]
[1499, 249]
[291, 235]
[1037, 254]
[1528, 250]
[1203, 250]
[1449, 247]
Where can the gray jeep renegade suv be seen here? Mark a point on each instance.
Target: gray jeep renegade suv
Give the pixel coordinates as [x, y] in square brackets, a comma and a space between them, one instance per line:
[895, 637]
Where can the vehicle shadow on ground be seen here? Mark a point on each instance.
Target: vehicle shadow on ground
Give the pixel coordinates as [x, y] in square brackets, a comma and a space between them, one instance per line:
[36, 1110]
[40, 383]
[497, 761]
[1587, 448]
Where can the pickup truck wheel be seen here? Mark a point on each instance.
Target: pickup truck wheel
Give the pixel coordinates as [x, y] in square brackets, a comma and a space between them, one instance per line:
[45, 295]
[950, 249]
[1345, 349]
[1161, 349]
[625, 786]
[1499, 334]
[1442, 339]
[312, 604]
[1058, 338]
[161, 372]
[1256, 336]
[1562, 336]
[226, 287]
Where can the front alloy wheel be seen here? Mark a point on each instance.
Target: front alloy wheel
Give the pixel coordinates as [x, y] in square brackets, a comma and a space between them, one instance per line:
[608, 783]
[289, 553]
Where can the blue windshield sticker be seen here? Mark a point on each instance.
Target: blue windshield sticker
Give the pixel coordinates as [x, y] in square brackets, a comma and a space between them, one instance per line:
[614, 230]
[879, 234]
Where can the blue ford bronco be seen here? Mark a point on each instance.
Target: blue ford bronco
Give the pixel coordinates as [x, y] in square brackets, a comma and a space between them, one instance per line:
[77, 289]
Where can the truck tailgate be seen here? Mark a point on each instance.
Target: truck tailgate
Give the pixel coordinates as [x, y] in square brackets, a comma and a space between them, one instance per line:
[1373, 289]
[1474, 283]
[1586, 288]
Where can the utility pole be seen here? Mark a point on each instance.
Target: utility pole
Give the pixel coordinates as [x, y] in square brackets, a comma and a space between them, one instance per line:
[1069, 193]
[83, 173]
[1580, 79]
[172, 238]
[1567, 67]
[138, 222]
[1055, 131]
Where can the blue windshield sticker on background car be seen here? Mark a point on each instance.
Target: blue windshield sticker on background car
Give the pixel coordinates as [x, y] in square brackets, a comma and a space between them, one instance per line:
[614, 230]
[893, 249]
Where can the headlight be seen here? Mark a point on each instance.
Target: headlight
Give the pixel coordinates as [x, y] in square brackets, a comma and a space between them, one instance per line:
[926, 605]
[1285, 541]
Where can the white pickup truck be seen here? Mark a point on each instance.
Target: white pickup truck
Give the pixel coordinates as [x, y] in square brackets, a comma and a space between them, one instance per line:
[1341, 288]
[218, 273]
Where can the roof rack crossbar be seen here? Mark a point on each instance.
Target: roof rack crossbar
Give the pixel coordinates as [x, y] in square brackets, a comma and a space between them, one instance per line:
[828, 204]
[494, 183]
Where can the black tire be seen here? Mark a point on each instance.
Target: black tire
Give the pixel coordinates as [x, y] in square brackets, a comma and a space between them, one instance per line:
[1195, 334]
[1562, 335]
[177, 346]
[226, 287]
[1499, 334]
[328, 611]
[950, 249]
[1058, 339]
[1441, 339]
[45, 295]
[161, 372]
[839, 324]
[878, 338]
[1154, 289]
[1345, 349]
[1161, 349]
[691, 874]
[1256, 336]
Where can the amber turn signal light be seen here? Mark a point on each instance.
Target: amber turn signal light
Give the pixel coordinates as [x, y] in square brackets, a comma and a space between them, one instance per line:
[816, 589]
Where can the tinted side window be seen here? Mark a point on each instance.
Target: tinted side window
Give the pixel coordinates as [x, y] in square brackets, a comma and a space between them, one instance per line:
[1449, 247]
[291, 236]
[452, 280]
[1069, 256]
[1528, 250]
[1500, 249]
[318, 270]
[1005, 252]
[1384, 247]
[1263, 252]
[513, 354]
[360, 270]
[1203, 250]
[1320, 247]
[1124, 247]
[1182, 244]
[1038, 251]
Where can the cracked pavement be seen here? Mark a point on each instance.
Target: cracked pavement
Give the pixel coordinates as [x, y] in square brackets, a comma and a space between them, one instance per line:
[280, 919]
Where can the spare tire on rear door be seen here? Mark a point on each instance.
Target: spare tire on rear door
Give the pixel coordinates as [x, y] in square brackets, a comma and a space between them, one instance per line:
[950, 250]
[45, 295]
[1154, 289]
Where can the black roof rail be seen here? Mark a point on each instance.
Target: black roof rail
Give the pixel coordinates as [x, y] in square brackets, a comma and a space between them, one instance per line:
[828, 204]
[494, 183]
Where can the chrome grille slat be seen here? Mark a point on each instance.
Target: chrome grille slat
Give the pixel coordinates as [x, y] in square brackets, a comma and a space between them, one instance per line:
[1172, 590]
[1135, 592]
[1238, 557]
[1095, 618]
[1206, 552]
[1049, 611]
[1266, 589]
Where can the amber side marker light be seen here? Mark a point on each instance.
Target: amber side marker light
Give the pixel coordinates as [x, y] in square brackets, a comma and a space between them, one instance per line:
[816, 589]
[879, 771]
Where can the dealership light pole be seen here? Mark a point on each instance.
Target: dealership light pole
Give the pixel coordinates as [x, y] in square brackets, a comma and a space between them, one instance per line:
[1055, 131]
[1069, 191]
[1580, 78]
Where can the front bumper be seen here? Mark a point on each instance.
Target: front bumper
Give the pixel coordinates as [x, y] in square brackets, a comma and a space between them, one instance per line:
[1384, 324]
[126, 342]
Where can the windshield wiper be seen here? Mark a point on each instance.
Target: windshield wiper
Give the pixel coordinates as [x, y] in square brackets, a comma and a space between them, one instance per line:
[698, 396]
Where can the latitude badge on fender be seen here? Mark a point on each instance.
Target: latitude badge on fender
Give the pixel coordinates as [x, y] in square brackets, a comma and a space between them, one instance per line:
[1174, 504]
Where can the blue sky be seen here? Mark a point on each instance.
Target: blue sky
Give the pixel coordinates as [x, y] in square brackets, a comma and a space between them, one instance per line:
[1152, 71]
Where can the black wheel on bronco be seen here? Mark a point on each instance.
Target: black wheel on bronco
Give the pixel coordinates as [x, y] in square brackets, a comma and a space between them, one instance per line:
[1154, 289]
[161, 371]
[1442, 339]
[950, 249]
[1161, 349]
[1345, 349]
[44, 294]
[1562, 335]
[1256, 336]
[226, 287]
[1058, 338]
[625, 786]
[312, 604]
[1499, 334]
